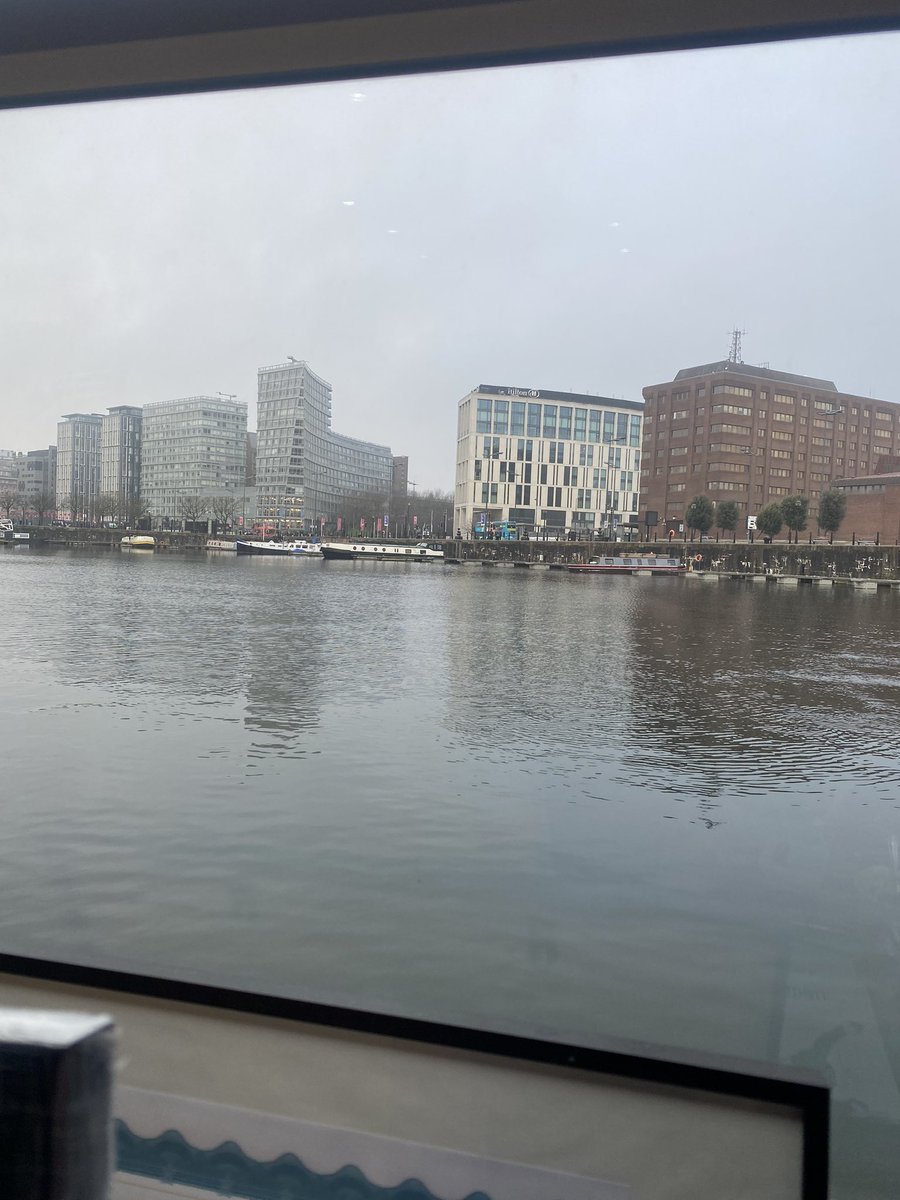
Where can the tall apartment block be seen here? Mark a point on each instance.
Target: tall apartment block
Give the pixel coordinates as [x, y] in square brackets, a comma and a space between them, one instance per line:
[754, 435]
[546, 461]
[120, 458]
[78, 464]
[305, 472]
[196, 446]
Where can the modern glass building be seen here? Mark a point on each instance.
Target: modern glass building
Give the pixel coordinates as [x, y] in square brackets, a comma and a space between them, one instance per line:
[120, 458]
[547, 462]
[78, 464]
[305, 472]
[194, 447]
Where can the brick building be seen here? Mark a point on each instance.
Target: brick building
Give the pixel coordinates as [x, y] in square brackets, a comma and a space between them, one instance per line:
[732, 431]
[873, 503]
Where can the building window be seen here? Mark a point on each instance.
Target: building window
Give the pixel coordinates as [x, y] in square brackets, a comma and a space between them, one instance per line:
[477, 468]
[565, 423]
[549, 420]
[501, 416]
[586, 456]
[734, 410]
[534, 421]
[483, 417]
[580, 424]
[723, 389]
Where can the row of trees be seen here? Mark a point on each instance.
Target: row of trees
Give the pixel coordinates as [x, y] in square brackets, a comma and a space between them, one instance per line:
[791, 512]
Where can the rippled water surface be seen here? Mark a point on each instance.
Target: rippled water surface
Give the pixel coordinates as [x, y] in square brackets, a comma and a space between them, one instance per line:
[653, 808]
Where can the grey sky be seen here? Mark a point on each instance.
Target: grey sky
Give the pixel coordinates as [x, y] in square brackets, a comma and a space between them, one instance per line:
[588, 226]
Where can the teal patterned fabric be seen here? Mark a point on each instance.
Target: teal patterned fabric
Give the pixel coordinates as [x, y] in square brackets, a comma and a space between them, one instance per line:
[228, 1171]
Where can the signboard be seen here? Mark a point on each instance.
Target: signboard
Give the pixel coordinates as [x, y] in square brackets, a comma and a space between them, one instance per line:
[751, 522]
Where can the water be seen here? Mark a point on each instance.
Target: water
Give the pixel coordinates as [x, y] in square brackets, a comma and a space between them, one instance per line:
[652, 808]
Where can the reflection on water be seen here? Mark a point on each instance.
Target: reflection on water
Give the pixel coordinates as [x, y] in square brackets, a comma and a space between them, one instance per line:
[651, 808]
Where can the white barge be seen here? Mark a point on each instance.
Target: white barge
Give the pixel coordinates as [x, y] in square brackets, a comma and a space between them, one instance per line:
[630, 565]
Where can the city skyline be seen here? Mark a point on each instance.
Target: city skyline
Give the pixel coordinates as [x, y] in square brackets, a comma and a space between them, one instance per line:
[581, 226]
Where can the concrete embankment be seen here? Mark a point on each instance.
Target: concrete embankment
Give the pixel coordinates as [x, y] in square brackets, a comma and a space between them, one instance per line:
[730, 558]
[110, 539]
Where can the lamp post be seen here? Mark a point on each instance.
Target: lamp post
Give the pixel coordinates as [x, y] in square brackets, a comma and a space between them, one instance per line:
[607, 500]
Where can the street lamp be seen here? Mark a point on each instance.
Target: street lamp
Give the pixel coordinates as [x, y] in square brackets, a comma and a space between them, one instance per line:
[607, 500]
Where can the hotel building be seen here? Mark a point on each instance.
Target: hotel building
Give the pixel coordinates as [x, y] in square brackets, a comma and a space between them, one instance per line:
[732, 431]
[194, 447]
[546, 461]
[305, 472]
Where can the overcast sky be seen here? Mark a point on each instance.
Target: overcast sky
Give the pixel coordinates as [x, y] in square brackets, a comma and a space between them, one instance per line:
[588, 227]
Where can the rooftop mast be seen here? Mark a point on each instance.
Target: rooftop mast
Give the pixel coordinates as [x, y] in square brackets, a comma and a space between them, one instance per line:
[734, 354]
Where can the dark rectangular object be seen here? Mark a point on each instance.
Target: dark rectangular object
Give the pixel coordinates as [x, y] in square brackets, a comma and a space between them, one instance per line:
[55, 1105]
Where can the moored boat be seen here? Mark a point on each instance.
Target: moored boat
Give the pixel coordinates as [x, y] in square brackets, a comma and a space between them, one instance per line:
[384, 551]
[138, 541]
[626, 564]
[249, 546]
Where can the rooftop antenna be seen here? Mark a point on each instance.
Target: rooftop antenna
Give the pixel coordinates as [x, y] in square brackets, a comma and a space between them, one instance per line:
[734, 354]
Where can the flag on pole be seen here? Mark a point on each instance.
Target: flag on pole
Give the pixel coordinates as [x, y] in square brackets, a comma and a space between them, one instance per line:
[340, 524]
[362, 524]
[379, 525]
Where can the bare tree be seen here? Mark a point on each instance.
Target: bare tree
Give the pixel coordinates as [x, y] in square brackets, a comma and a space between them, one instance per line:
[9, 499]
[223, 509]
[43, 503]
[367, 507]
[193, 509]
[105, 506]
[430, 510]
[133, 511]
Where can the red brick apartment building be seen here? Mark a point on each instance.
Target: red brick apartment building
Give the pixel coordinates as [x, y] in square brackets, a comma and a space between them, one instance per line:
[752, 435]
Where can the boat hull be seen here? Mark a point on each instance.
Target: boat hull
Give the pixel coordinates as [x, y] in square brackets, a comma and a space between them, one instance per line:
[284, 549]
[381, 552]
[138, 542]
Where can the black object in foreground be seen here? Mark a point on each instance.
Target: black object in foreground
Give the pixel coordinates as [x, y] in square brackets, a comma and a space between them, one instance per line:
[55, 1105]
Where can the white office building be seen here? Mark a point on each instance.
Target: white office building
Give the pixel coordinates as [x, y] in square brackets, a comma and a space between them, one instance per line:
[191, 448]
[78, 465]
[549, 463]
[306, 474]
